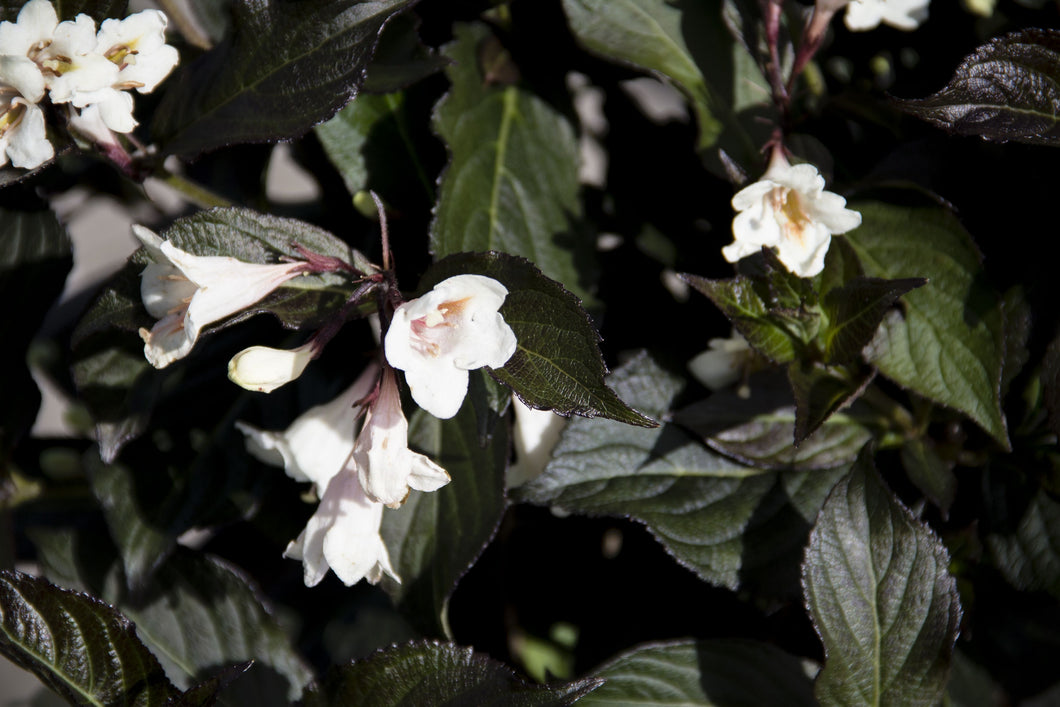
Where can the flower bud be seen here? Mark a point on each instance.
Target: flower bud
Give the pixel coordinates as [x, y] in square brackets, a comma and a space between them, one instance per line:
[264, 370]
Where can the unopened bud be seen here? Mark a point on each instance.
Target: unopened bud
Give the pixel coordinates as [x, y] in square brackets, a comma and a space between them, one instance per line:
[264, 370]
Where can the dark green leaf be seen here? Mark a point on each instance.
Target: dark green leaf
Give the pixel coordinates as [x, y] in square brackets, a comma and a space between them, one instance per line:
[949, 344]
[1007, 89]
[749, 311]
[115, 381]
[78, 646]
[1022, 529]
[721, 519]
[201, 616]
[880, 597]
[512, 181]
[438, 674]
[363, 141]
[841, 265]
[759, 429]
[435, 537]
[35, 258]
[855, 311]
[401, 58]
[820, 390]
[286, 67]
[716, 672]
[205, 694]
[557, 365]
[1051, 383]
[651, 35]
[929, 473]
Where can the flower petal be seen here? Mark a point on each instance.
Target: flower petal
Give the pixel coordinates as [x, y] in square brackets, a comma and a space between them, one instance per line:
[29, 147]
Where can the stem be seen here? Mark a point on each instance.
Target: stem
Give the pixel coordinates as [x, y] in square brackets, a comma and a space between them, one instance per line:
[892, 411]
[384, 233]
[772, 13]
[194, 193]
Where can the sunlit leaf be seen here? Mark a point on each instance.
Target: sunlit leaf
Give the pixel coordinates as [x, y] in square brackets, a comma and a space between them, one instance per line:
[716, 672]
[437, 673]
[512, 180]
[947, 343]
[1007, 89]
[880, 597]
[435, 537]
[748, 309]
[284, 68]
[557, 364]
[721, 519]
[652, 35]
[78, 646]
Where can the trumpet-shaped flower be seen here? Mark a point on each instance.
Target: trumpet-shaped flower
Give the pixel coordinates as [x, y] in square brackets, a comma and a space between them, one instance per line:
[318, 444]
[343, 535]
[23, 139]
[385, 465]
[789, 210]
[455, 328]
[862, 15]
[534, 435]
[265, 369]
[31, 32]
[186, 292]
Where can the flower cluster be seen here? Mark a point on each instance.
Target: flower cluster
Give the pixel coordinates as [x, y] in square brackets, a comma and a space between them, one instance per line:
[355, 479]
[789, 210]
[89, 72]
[436, 340]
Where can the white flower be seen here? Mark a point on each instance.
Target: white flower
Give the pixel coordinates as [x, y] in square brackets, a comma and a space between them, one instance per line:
[343, 534]
[788, 209]
[23, 139]
[385, 465]
[864, 15]
[186, 292]
[722, 363]
[265, 369]
[31, 32]
[136, 49]
[534, 436]
[436, 339]
[318, 444]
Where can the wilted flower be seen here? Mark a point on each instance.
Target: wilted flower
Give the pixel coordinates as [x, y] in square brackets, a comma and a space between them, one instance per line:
[384, 463]
[186, 292]
[343, 534]
[318, 444]
[265, 369]
[788, 209]
[864, 15]
[455, 328]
